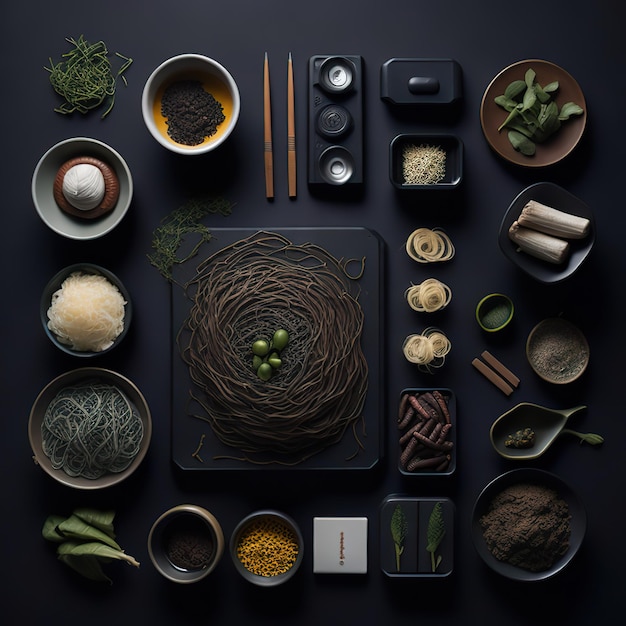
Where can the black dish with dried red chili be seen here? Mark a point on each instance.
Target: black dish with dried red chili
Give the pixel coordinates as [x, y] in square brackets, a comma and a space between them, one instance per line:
[426, 425]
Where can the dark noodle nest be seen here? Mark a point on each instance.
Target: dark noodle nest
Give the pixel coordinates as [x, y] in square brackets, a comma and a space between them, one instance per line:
[245, 292]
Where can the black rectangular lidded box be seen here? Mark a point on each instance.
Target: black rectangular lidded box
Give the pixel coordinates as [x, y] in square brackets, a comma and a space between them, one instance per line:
[408, 81]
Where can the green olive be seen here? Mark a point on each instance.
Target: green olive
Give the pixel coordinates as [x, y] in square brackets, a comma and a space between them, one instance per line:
[260, 347]
[256, 362]
[265, 371]
[275, 361]
[280, 339]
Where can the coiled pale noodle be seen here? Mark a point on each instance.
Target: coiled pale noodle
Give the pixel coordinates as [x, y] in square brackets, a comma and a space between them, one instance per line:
[429, 296]
[243, 293]
[426, 245]
[91, 429]
[428, 350]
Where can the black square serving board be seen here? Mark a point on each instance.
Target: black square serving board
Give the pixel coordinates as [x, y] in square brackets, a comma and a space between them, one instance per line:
[188, 433]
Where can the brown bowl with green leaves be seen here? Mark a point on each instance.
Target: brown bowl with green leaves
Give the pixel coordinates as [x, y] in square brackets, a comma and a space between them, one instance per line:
[543, 94]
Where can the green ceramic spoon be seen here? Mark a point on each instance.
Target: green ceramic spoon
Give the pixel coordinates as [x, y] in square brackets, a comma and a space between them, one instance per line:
[547, 424]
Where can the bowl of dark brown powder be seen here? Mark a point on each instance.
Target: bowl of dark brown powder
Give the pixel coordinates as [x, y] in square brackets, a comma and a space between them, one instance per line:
[190, 104]
[186, 543]
[528, 524]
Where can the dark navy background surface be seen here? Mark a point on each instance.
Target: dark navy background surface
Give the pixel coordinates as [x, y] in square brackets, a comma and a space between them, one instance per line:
[483, 37]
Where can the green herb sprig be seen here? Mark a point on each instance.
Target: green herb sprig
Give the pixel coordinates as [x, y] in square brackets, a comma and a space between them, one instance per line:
[168, 238]
[399, 529]
[435, 534]
[84, 78]
[534, 115]
[86, 541]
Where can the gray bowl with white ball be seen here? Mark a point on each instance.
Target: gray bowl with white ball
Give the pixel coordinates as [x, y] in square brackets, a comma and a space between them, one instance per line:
[82, 188]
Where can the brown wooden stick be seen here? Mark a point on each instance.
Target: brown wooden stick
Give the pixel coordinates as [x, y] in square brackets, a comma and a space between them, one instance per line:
[494, 378]
[267, 121]
[504, 371]
[291, 130]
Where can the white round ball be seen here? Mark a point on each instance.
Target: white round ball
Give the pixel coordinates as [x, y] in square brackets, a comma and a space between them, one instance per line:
[84, 186]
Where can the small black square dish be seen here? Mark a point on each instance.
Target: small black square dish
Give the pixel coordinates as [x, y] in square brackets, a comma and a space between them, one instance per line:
[416, 537]
[422, 161]
[427, 432]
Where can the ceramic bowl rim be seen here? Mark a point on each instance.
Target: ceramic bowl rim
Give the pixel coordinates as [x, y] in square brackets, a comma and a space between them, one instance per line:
[494, 296]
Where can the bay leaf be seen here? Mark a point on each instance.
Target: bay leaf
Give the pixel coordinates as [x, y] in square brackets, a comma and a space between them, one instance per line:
[569, 109]
[522, 143]
[514, 89]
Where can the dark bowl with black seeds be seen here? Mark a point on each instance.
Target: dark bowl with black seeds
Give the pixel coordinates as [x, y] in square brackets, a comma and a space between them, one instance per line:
[190, 104]
[186, 543]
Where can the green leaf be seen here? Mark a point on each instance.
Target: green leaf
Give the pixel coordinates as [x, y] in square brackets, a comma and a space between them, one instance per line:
[435, 534]
[100, 519]
[530, 97]
[75, 528]
[521, 143]
[94, 549]
[511, 116]
[399, 529]
[536, 117]
[569, 109]
[87, 566]
[505, 103]
[514, 89]
[542, 95]
[524, 129]
[548, 122]
[50, 531]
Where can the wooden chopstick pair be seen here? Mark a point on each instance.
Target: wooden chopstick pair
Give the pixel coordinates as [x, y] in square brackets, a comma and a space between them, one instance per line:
[291, 131]
[497, 373]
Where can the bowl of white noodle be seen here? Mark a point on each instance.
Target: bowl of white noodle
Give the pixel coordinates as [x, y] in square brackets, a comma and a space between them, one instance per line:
[85, 310]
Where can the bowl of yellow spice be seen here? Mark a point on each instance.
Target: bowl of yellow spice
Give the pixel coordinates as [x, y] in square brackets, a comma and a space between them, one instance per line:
[267, 548]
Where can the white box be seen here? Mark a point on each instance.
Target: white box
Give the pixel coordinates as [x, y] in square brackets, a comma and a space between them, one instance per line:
[340, 545]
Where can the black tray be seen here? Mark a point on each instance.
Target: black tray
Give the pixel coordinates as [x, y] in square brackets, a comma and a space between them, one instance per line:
[187, 431]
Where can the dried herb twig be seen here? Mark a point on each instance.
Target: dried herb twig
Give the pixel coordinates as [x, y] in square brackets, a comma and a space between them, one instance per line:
[196, 453]
[85, 77]
[186, 220]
